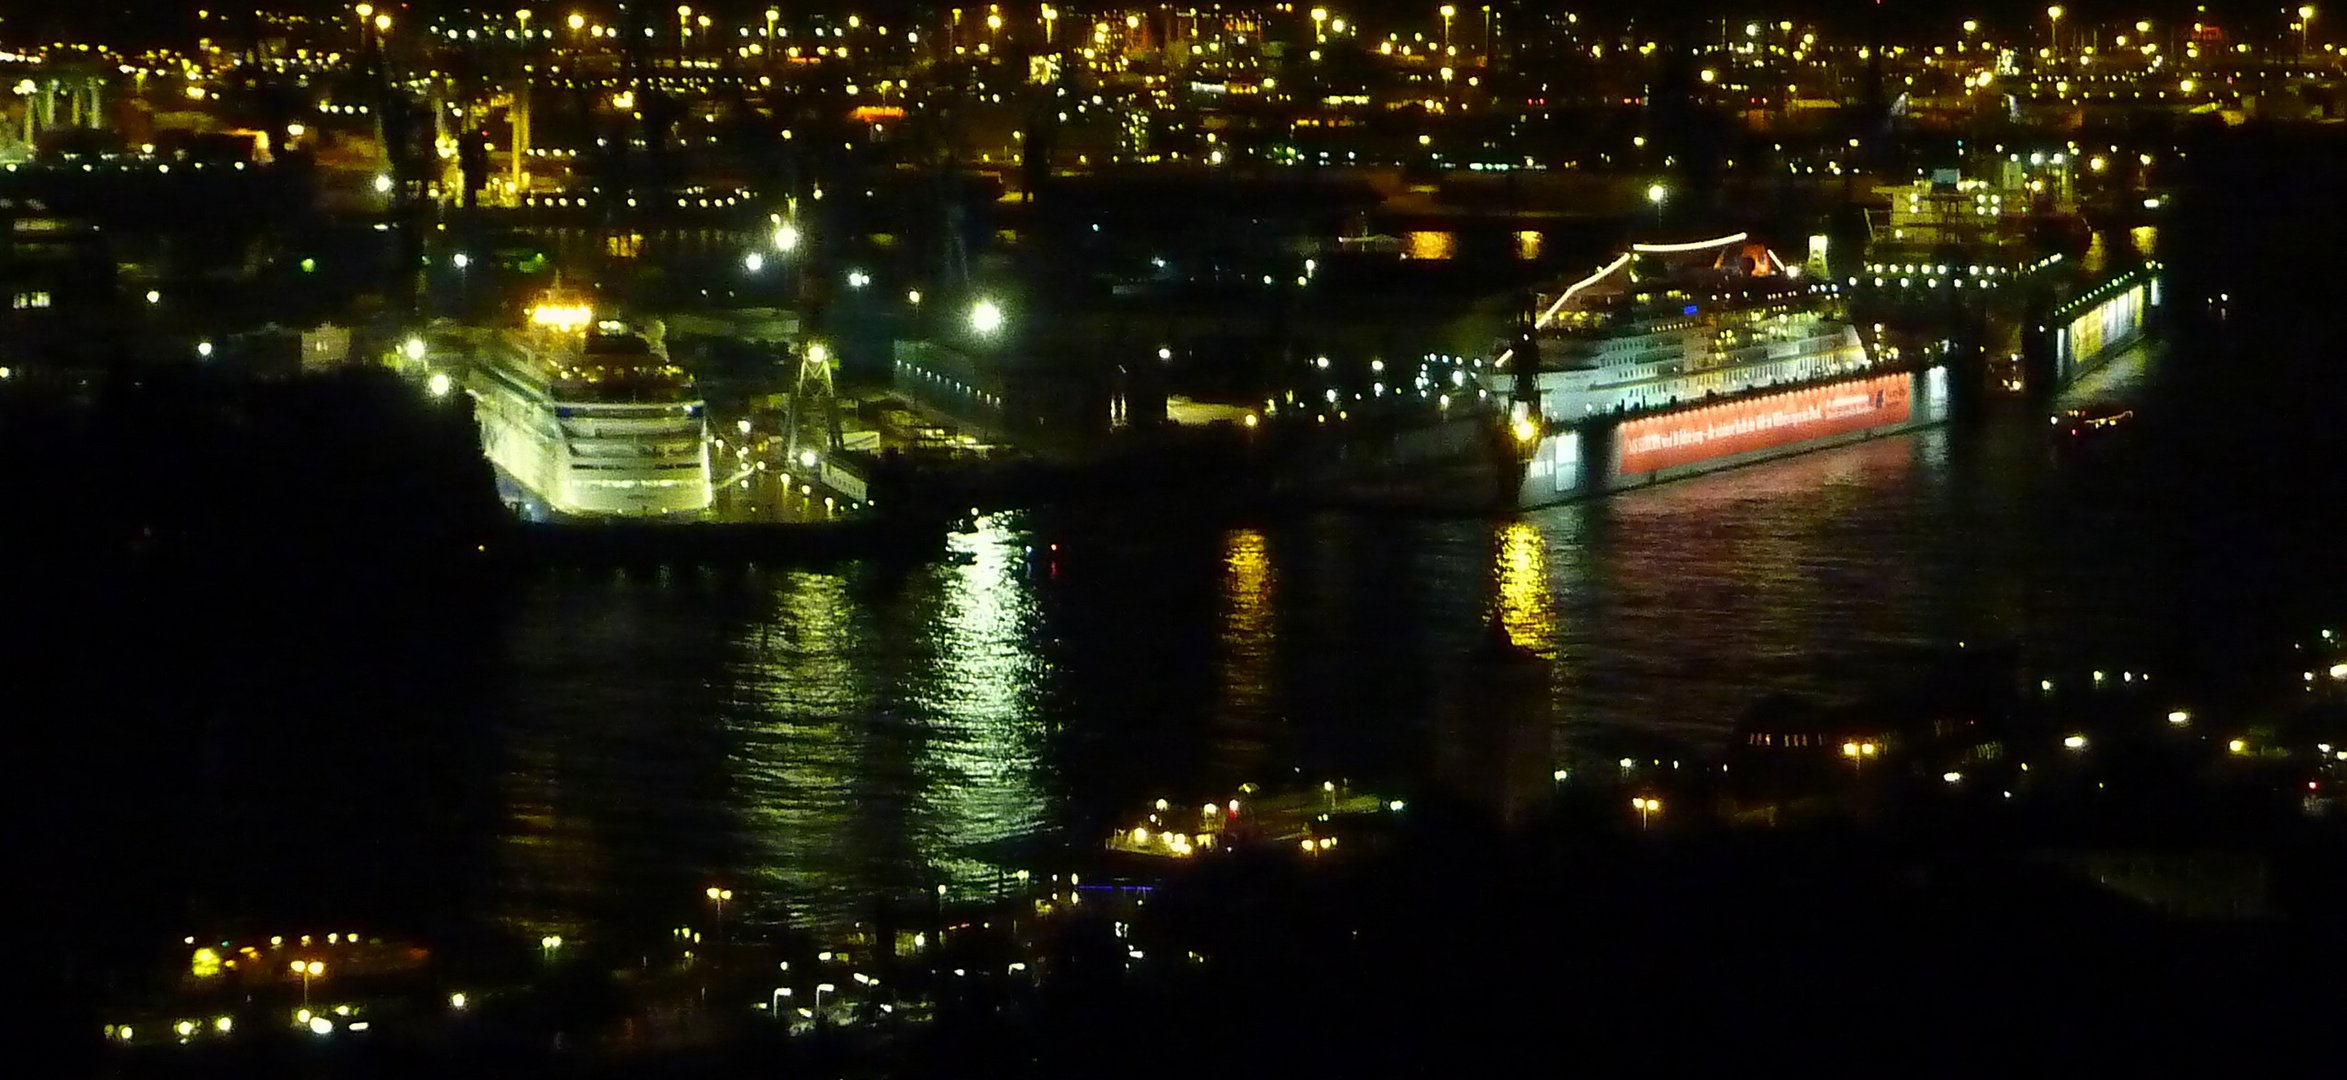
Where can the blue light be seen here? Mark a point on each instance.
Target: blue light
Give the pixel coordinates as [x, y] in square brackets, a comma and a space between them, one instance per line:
[1690, 310]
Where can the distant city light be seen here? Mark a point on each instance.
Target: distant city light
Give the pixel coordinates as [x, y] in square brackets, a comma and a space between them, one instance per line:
[754, 262]
[786, 237]
[440, 384]
[564, 317]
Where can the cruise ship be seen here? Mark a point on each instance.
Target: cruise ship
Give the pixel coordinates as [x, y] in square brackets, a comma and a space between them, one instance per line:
[1677, 359]
[1674, 323]
[588, 417]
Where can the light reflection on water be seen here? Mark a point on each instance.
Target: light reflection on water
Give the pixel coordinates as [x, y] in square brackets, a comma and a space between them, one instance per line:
[1248, 645]
[821, 741]
[1523, 582]
[1429, 244]
[874, 747]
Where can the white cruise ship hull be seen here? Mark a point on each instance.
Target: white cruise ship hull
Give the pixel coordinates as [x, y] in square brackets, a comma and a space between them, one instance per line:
[595, 459]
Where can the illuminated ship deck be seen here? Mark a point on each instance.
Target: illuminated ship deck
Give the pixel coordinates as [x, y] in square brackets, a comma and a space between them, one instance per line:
[592, 418]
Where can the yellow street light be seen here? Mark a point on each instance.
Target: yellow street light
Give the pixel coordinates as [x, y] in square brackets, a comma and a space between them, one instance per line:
[365, 10]
[307, 971]
[986, 317]
[576, 22]
[383, 24]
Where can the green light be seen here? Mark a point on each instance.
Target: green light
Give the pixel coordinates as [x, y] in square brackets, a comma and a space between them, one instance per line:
[309, 266]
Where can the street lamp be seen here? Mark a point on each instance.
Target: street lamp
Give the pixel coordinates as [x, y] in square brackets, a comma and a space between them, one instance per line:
[2305, 28]
[1449, 12]
[986, 317]
[786, 237]
[718, 897]
[2053, 23]
[1657, 194]
[820, 990]
[1646, 808]
[307, 971]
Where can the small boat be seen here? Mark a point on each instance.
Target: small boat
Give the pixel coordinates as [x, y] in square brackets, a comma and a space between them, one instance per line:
[1294, 815]
[2090, 421]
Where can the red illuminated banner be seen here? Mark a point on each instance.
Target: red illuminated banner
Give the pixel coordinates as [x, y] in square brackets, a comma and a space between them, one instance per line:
[1759, 423]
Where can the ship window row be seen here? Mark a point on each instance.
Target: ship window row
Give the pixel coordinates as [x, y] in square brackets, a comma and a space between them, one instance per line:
[586, 466]
[634, 450]
[632, 483]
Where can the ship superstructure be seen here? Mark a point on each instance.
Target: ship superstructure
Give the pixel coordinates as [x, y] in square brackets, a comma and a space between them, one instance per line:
[589, 416]
[1673, 324]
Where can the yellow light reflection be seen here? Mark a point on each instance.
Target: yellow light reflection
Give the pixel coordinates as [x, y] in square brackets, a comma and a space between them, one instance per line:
[1525, 607]
[1249, 641]
[1425, 244]
[1528, 244]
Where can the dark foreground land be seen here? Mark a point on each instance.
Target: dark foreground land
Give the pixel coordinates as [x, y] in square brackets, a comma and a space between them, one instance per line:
[1440, 947]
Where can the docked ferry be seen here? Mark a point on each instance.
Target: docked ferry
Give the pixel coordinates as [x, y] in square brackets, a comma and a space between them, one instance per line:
[588, 417]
